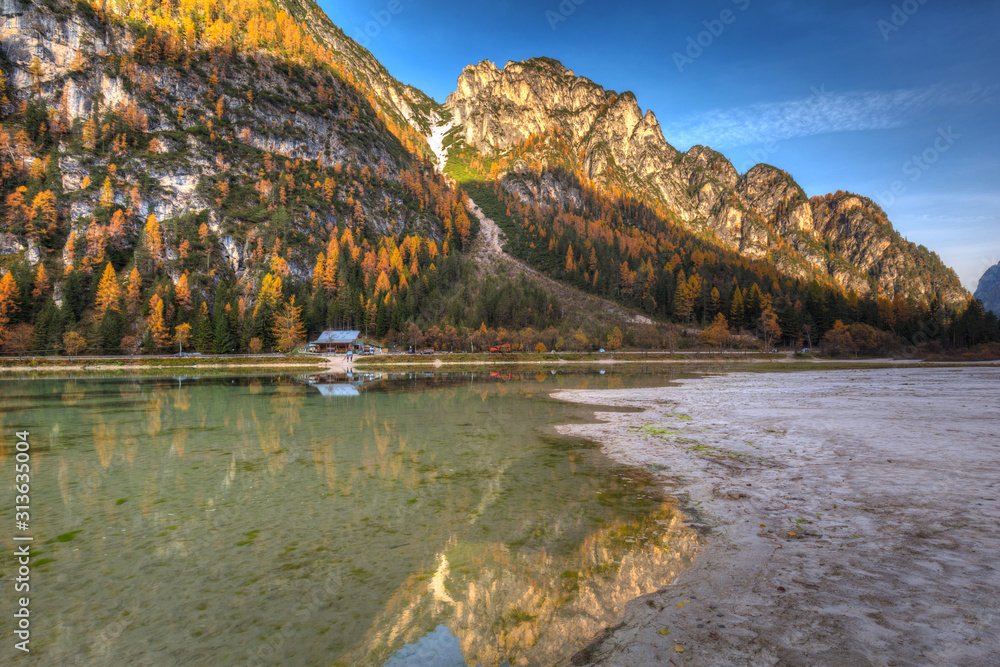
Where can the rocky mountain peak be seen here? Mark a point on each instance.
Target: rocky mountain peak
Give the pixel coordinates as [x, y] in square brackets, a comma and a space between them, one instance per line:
[988, 290]
[762, 213]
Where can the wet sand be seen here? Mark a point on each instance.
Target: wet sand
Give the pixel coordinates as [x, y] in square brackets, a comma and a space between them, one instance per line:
[851, 517]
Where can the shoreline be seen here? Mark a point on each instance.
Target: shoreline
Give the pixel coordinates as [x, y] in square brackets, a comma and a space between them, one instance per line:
[846, 522]
[340, 364]
[141, 365]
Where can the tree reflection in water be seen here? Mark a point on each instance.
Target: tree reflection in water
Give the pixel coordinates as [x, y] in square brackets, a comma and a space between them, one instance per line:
[270, 520]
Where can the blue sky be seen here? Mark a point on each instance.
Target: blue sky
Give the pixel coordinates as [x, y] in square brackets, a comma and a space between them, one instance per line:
[898, 101]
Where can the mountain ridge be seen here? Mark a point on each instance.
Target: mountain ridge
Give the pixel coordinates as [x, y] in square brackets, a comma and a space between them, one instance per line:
[498, 109]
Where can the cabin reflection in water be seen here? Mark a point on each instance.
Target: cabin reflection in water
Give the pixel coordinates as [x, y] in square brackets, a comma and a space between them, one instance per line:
[342, 384]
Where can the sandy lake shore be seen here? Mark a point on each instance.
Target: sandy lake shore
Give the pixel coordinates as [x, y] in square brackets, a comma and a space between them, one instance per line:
[851, 517]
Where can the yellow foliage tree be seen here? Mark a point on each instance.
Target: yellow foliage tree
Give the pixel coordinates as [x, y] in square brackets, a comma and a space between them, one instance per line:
[270, 293]
[74, 343]
[109, 293]
[182, 335]
[157, 327]
[133, 296]
[717, 335]
[288, 329]
[154, 240]
[183, 292]
[107, 194]
[8, 304]
[614, 339]
[42, 283]
[44, 208]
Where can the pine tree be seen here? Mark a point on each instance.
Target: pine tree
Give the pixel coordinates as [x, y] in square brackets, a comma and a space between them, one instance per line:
[737, 311]
[754, 303]
[222, 340]
[203, 330]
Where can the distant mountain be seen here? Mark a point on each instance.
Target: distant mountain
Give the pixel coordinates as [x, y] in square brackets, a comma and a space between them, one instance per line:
[762, 214]
[988, 290]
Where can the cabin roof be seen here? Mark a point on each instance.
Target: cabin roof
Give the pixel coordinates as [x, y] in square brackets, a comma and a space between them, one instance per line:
[337, 337]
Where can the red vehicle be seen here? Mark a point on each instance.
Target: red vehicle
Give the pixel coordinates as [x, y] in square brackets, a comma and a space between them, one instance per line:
[500, 349]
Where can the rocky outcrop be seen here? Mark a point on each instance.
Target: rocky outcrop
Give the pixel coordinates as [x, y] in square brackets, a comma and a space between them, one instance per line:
[988, 291]
[406, 103]
[761, 213]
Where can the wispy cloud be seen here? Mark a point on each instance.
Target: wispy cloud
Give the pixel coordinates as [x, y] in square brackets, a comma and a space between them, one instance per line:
[821, 112]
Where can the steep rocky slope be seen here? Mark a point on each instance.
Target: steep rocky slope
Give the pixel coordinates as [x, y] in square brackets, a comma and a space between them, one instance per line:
[988, 290]
[762, 213]
[405, 102]
[183, 131]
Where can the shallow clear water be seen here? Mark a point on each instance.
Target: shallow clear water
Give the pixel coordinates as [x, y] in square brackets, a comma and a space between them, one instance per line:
[283, 521]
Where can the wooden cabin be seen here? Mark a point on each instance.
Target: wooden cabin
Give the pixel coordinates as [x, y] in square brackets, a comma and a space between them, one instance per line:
[336, 342]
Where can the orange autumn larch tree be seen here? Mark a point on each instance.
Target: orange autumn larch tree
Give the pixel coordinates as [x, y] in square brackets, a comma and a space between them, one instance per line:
[8, 302]
[42, 283]
[133, 295]
[288, 329]
[156, 325]
[183, 292]
[109, 293]
[154, 240]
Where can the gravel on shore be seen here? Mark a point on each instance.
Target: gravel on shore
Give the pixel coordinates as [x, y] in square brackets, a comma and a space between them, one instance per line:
[852, 517]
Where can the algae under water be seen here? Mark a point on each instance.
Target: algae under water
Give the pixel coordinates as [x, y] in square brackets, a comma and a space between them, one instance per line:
[327, 520]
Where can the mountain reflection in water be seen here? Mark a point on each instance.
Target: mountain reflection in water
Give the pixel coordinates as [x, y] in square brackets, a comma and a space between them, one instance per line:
[264, 521]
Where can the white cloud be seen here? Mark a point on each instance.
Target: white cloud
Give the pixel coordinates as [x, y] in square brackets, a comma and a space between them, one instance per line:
[821, 112]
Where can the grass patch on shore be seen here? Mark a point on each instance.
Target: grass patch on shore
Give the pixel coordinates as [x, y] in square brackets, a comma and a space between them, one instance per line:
[48, 367]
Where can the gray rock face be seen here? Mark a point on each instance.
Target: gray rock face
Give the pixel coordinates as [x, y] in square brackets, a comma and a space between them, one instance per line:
[763, 213]
[281, 115]
[988, 290]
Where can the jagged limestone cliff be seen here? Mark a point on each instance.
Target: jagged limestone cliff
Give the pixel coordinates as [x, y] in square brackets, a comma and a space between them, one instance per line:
[762, 213]
[215, 117]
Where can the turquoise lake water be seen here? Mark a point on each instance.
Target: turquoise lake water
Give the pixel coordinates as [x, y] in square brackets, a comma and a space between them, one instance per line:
[325, 520]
